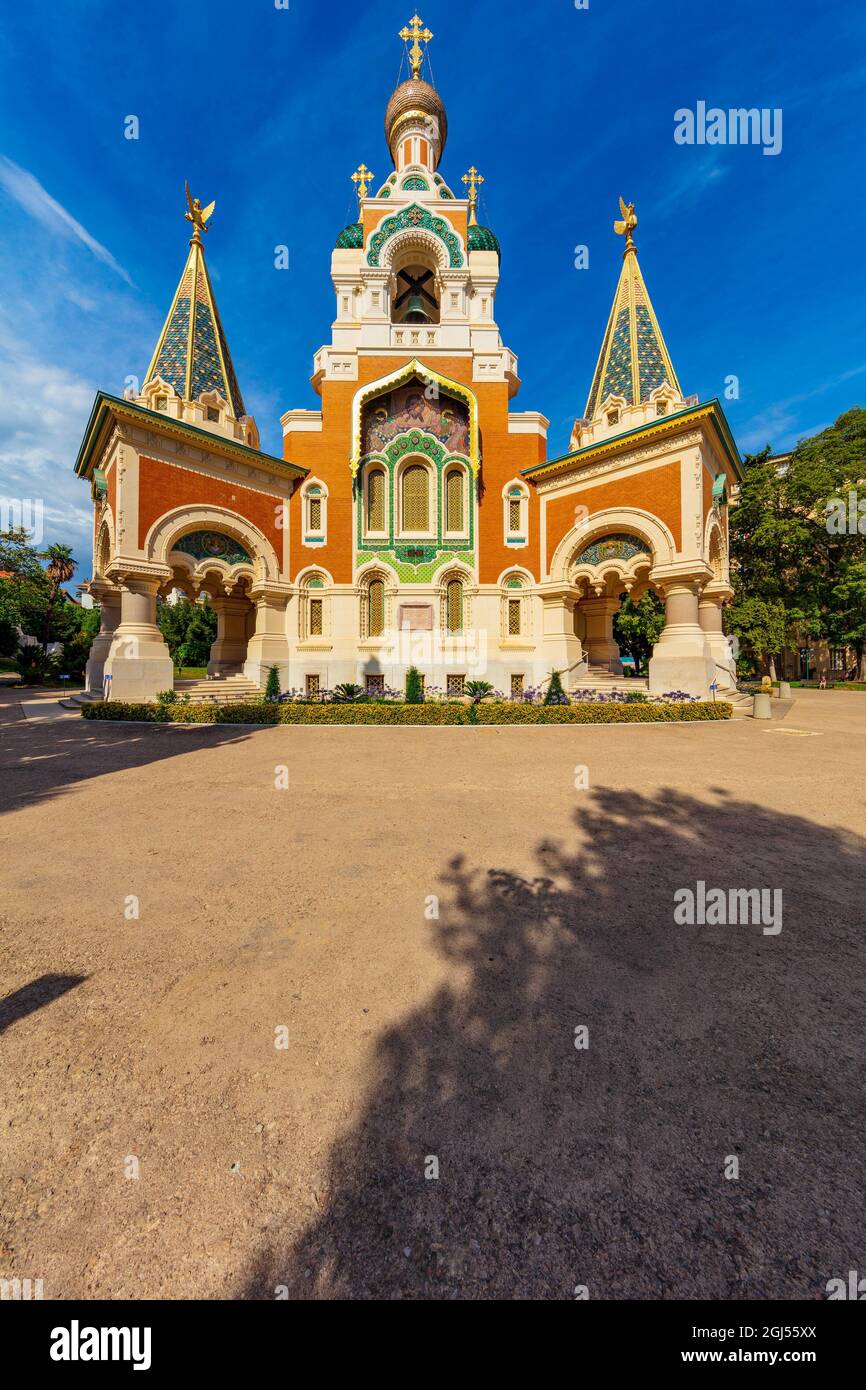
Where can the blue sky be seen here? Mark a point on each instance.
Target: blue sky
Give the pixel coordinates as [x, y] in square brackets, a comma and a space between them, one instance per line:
[754, 262]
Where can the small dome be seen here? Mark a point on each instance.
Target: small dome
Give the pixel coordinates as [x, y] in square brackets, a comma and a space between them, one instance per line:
[351, 238]
[416, 95]
[482, 239]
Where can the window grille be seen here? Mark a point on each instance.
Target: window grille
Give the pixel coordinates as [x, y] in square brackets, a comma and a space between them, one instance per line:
[315, 504]
[514, 513]
[516, 686]
[454, 500]
[454, 605]
[376, 500]
[416, 499]
[514, 617]
[312, 685]
[376, 608]
[315, 617]
[455, 685]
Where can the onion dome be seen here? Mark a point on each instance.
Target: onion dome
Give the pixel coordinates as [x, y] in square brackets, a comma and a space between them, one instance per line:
[410, 98]
[482, 239]
[351, 238]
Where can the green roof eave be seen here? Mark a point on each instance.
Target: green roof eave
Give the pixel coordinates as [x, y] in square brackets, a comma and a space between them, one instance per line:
[711, 408]
[104, 403]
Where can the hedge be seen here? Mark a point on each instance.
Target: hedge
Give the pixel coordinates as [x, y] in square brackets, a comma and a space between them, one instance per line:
[503, 712]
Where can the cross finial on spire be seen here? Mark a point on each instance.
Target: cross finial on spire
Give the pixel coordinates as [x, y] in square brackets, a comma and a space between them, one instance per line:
[626, 226]
[360, 179]
[418, 34]
[197, 215]
[473, 179]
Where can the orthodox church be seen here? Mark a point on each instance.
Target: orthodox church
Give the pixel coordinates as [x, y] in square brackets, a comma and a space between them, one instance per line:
[414, 518]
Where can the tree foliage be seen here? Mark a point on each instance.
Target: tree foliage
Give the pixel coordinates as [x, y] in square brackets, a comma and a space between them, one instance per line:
[638, 626]
[796, 574]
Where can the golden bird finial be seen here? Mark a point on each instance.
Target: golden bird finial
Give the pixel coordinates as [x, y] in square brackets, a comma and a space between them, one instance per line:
[418, 34]
[473, 179]
[361, 179]
[197, 215]
[626, 226]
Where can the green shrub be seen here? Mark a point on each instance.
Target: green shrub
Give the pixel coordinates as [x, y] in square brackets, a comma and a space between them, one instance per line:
[555, 694]
[449, 713]
[272, 685]
[414, 687]
[254, 712]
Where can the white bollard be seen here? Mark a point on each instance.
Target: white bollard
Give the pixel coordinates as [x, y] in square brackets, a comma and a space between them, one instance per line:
[784, 690]
[762, 708]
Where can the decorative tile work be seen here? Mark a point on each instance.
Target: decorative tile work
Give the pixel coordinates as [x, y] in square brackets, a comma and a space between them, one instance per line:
[204, 372]
[415, 184]
[415, 216]
[613, 547]
[213, 545]
[482, 239]
[617, 378]
[414, 561]
[351, 238]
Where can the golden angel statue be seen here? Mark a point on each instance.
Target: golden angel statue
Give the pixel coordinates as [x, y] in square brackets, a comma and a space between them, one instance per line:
[628, 223]
[198, 215]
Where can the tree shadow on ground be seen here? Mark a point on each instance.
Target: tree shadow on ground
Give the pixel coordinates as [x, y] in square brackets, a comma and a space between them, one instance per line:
[40, 761]
[605, 1167]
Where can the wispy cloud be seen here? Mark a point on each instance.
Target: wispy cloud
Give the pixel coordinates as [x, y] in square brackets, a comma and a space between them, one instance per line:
[779, 423]
[26, 190]
[43, 410]
[696, 176]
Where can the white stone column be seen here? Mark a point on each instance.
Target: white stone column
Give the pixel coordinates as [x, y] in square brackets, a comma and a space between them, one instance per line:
[561, 648]
[229, 649]
[269, 645]
[108, 597]
[138, 665]
[601, 648]
[710, 618]
[681, 657]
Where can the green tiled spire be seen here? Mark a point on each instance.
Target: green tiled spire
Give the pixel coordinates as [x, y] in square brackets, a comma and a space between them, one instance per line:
[191, 352]
[634, 359]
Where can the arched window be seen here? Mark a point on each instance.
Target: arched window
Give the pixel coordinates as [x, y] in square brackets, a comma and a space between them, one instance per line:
[454, 500]
[376, 500]
[454, 605]
[312, 609]
[515, 502]
[514, 618]
[375, 608]
[315, 513]
[416, 498]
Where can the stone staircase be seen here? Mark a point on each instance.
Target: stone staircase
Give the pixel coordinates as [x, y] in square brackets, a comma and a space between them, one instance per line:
[223, 690]
[599, 679]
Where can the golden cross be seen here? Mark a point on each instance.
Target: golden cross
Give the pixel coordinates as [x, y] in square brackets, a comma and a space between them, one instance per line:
[360, 179]
[473, 178]
[415, 31]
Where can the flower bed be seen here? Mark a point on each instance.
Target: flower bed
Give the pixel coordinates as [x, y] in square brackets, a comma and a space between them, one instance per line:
[393, 712]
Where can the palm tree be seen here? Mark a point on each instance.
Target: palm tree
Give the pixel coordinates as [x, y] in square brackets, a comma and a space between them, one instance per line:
[60, 569]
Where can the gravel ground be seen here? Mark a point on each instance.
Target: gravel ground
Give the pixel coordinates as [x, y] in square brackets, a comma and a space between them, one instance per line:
[428, 915]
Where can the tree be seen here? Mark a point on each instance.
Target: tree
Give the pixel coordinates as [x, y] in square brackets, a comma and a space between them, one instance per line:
[24, 587]
[761, 625]
[60, 570]
[638, 626]
[414, 687]
[555, 694]
[273, 690]
[189, 630]
[787, 546]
